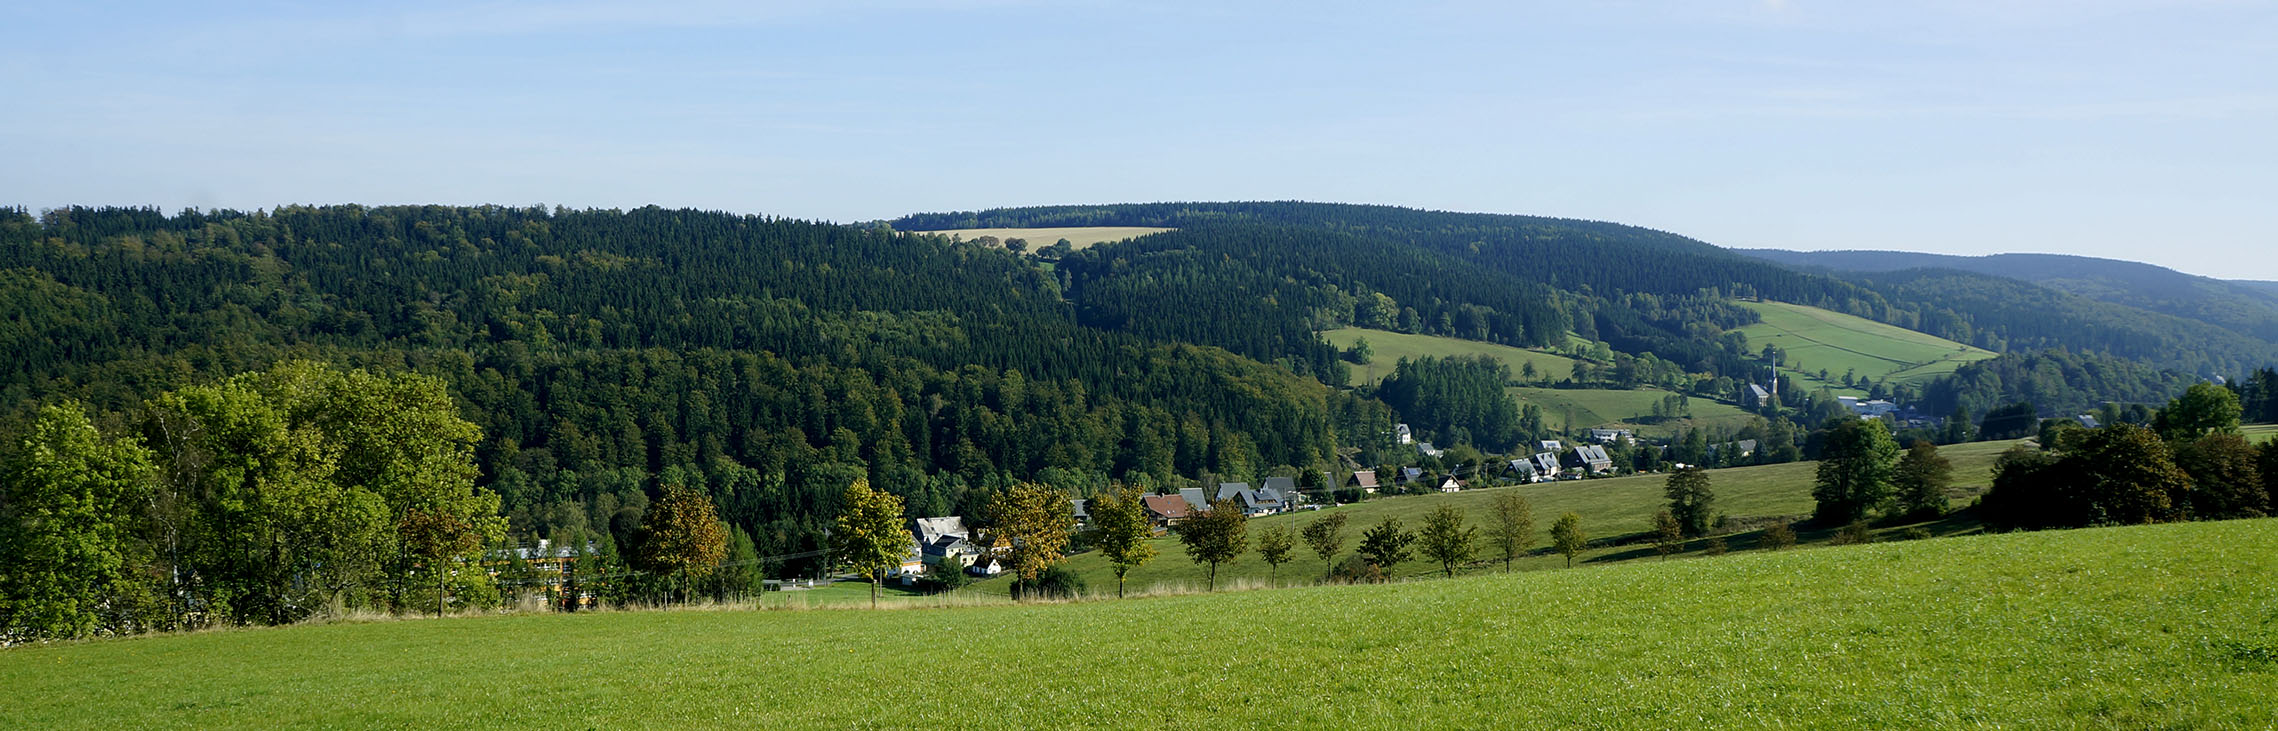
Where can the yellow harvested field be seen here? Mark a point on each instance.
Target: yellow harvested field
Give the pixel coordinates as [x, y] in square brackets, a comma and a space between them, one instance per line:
[1078, 236]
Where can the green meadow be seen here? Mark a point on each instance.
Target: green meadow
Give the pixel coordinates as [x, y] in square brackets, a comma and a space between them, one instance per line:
[1389, 347]
[1080, 237]
[1632, 409]
[1610, 508]
[1818, 339]
[2166, 626]
[2259, 433]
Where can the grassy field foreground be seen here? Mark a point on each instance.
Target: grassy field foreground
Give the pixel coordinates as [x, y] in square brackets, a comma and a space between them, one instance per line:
[2172, 625]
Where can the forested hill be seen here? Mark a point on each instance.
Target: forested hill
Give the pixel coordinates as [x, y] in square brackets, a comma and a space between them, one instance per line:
[2242, 307]
[605, 352]
[1605, 269]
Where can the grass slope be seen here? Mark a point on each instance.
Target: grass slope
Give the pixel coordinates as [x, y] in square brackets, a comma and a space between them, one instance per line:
[2149, 626]
[1816, 339]
[2259, 433]
[1609, 508]
[1389, 347]
[1594, 407]
[1080, 237]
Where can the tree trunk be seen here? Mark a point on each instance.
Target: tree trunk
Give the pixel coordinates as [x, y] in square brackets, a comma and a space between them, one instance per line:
[873, 591]
[1214, 576]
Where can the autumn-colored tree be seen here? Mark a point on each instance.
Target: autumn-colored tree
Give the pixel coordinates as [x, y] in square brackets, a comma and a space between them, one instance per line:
[1668, 533]
[1326, 536]
[1691, 502]
[1274, 545]
[1215, 537]
[436, 538]
[869, 537]
[1385, 545]
[1031, 525]
[1119, 518]
[1445, 538]
[1920, 481]
[682, 536]
[1566, 535]
[1512, 529]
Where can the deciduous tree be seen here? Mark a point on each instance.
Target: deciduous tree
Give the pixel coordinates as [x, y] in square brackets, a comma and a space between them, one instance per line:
[1566, 535]
[681, 535]
[1920, 481]
[1326, 536]
[1215, 537]
[869, 536]
[69, 504]
[1274, 545]
[2204, 408]
[1120, 518]
[1854, 470]
[1385, 545]
[1445, 538]
[1512, 529]
[1668, 533]
[1031, 524]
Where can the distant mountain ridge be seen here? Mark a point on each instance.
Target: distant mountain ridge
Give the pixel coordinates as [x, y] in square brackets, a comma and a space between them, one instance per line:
[2248, 308]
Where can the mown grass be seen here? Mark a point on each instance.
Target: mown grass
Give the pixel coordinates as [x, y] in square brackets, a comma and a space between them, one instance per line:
[1611, 508]
[2152, 626]
[1080, 237]
[1632, 409]
[1819, 339]
[1389, 347]
[2259, 433]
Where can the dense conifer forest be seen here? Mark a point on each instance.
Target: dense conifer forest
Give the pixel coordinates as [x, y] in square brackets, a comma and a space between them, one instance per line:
[769, 363]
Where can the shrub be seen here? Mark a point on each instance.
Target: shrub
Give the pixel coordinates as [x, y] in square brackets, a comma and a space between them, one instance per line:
[1852, 535]
[1057, 582]
[1355, 570]
[1778, 536]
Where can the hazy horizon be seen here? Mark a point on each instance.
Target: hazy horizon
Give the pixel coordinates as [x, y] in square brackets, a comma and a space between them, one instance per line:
[2115, 129]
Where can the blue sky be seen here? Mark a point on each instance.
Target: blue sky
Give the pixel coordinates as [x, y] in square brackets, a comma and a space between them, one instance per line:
[2135, 130]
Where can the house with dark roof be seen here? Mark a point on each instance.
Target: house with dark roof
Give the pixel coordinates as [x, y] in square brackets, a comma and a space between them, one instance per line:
[1283, 486]
[945, 536]
[1253, 502]
[1411, 475]
[1521, 470]
[1082, 516]
[1197, 501]
[1592, 458]
[1545, 465]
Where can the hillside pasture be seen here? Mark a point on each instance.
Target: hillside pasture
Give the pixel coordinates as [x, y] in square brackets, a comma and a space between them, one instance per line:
[1818, 339]
[1389, 347]
[2259, 433]
[1609, 507]
[1632, 409]
[1080, 237]
[2163, 626]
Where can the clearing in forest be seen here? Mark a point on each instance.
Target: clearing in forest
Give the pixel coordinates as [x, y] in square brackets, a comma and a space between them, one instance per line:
[1389, 347]
[1817, 339]
[1080, 237]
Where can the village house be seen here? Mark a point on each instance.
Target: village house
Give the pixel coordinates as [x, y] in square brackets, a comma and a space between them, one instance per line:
[1165, 510]
[1609, 436]
[1401, 435]
[1546, 465]
[1364, 480]
[1451, 484]
[1550, 445]
[1591, 458]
